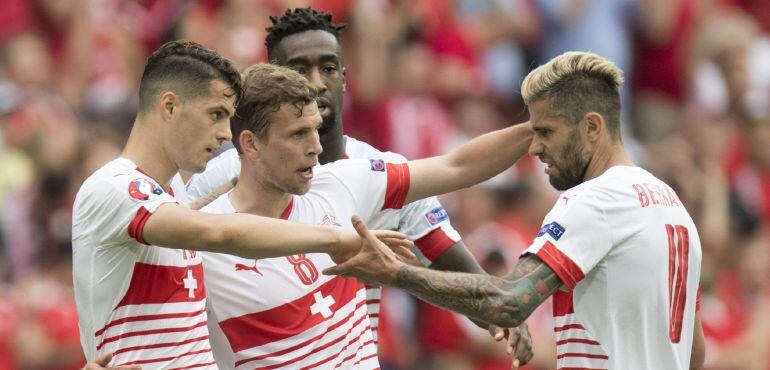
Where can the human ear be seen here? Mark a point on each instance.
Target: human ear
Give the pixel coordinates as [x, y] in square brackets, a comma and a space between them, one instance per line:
[594, 126]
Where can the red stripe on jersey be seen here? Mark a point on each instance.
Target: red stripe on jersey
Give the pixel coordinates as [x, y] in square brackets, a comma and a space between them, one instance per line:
[146, 318]
[366, 358]
[152, 284]
[136, 227]
[568, 327]
[697, 301]
[398, 185]
[562, 303]
[287, 211]
[306, 342]
[159, 345]
[149, 361]
[577, 340]
[354, 354]
[193, 366]
[569, 272]
[337, 354]
[149, 332]
[372, 301]
[434, 243]
[584, 355]
[287, 320]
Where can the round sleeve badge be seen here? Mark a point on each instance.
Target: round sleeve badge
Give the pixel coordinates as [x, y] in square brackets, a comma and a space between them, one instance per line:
[143, 189]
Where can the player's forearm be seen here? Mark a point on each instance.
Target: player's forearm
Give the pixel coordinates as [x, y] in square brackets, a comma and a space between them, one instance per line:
[457, 258]
[261, 237]
[478, 160]
[505, 302]
[481, 297]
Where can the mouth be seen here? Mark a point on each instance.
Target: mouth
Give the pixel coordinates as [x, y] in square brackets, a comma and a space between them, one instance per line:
[549, 167]
[306, 172]
[323, 108]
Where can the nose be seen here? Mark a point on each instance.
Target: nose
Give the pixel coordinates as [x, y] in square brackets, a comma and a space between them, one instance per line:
[536, 147]
[316, 80]
[315, 147]
[224, 133]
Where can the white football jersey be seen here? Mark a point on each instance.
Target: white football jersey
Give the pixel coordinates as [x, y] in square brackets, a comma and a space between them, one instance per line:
[629, 256]
[425, 221]
[143, 303]
[282, 312]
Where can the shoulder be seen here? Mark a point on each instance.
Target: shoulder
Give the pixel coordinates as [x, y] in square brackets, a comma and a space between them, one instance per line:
[358, 149]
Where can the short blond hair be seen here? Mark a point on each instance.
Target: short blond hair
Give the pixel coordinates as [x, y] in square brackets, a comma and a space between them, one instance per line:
[576, 83]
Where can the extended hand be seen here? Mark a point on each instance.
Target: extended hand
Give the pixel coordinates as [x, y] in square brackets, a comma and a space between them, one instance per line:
[102, 362]
[396, 241]
[519, 342]
[375, 262]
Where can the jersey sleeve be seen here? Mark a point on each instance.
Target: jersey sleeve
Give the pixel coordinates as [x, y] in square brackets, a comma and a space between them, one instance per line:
[219, 171]
[574, 238]
[118, 209]
[427, 223]
[375, 185]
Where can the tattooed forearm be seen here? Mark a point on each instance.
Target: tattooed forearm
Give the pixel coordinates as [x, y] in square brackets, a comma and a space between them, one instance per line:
[505, 302]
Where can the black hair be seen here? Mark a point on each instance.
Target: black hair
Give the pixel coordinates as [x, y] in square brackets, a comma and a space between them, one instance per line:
[297, 21]
[187, 68]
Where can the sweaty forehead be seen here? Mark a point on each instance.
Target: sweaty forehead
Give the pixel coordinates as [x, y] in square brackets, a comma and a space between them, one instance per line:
[308, 44]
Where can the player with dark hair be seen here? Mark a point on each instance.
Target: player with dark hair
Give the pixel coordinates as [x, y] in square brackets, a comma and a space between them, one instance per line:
[142, 303]
[307, 41]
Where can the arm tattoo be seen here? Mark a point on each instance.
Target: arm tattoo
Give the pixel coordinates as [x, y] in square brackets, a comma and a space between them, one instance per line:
[505, 302]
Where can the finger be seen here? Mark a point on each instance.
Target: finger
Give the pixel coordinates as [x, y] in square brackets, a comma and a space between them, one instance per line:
[496, 332]
[340, 269]
[361, 228]
[404, 252]
[104, 359]
[391, 242]
[514, 334]
[389, 234]
[515, 364]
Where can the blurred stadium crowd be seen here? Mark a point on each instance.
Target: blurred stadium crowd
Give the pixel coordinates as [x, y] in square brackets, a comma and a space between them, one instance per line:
[422, 77]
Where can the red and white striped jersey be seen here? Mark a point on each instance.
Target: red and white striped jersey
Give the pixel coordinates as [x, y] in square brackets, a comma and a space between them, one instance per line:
[629, 256]
[282, 313]
[143, 303]
[425, 221]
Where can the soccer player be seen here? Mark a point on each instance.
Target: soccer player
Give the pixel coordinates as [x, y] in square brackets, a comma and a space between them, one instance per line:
[307, 41]
[136, 300]
[618, 251]
[281, 312]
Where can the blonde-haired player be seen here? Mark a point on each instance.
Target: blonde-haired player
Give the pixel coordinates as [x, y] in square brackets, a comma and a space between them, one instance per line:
[618, 251]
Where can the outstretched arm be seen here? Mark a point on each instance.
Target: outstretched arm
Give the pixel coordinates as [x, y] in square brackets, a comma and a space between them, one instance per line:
[476, 161]
[505, 302]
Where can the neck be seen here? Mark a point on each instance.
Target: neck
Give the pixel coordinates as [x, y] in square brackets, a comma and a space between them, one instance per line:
[334, 147]
[255, 196]
[605, 158]
[145, 148]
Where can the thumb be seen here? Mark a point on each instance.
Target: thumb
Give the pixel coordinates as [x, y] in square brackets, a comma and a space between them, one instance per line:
[496, 332]
[340, 269]
[361, 228]
[104, 360]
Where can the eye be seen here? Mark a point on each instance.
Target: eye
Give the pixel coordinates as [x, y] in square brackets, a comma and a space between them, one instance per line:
[217, 115]
[299, 69]
[329, 69]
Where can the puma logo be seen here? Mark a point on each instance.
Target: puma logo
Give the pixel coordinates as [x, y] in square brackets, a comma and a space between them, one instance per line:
[242, 267]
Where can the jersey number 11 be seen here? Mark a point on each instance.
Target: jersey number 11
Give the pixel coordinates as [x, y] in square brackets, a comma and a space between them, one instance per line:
[678, 252]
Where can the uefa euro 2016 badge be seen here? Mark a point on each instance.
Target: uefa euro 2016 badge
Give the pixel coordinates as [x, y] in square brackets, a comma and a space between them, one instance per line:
[143, 189]
[377, 165]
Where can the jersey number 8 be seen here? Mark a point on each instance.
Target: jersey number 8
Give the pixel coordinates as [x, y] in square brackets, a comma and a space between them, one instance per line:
[304, 268]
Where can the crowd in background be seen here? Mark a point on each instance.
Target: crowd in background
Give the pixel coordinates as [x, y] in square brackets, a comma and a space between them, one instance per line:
[423, 76]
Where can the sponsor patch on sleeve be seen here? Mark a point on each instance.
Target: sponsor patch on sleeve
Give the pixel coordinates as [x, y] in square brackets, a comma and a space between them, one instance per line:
[553, 229]
[437, 215]
[377, 165]
[143, 189]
